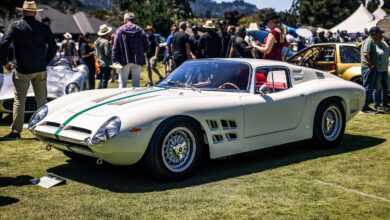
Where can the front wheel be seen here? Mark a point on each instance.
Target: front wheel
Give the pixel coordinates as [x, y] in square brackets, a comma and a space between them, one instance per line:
[329, 124]
[175, 150]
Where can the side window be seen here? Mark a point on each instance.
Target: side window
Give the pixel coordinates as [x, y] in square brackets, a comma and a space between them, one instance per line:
[349, 54]
[326, 54]
[276, 78]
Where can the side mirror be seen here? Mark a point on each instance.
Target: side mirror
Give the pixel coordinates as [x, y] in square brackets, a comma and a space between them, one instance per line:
[264, 89]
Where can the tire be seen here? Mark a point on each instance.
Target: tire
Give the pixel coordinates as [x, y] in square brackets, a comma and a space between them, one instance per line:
[329, 124]
[358, 80]
[175, 138]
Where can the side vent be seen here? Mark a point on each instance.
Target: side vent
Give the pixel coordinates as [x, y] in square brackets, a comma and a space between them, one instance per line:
[228, 124]
[213, 125]
[217, 138]
[231, 136]
[320, 75]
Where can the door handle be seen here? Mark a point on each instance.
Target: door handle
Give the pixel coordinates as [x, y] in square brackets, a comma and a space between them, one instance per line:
[302, 95]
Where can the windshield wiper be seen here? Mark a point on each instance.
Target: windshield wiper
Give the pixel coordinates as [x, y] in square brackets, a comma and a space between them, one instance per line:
[180, 84]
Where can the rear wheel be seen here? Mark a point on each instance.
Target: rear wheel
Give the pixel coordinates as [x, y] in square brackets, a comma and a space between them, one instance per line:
[329, 124]
[175, 150]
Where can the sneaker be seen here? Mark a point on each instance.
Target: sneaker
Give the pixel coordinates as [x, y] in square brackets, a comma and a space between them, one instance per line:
[12, 136]
[369, 110]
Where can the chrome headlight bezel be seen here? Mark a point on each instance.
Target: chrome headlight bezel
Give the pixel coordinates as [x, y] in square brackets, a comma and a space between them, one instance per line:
[72, 88]
[110, 129]
[38, 116]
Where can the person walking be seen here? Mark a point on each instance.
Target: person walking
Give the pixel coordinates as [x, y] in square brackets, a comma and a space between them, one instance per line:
[181, 50]
[87, 55]
[130, 45]
[103, 54]
[34, 47]
[152, 53]
[369, 60]
[382, 77]
[275, 40]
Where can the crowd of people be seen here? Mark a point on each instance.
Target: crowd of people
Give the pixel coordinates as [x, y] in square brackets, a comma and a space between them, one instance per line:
[131, 47]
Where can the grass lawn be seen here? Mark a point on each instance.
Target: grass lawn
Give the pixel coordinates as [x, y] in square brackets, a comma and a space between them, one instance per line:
[288, 182]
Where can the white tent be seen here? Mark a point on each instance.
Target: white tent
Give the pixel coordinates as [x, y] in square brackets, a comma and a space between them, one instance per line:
[355, 22]
[379, 14]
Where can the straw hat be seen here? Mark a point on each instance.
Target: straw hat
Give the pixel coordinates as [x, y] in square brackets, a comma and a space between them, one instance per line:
[29, 6]
[104, 29]
[67, 35]
[209, 24]
[149, 28]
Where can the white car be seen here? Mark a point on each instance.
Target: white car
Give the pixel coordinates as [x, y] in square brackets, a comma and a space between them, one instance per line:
[205, 108]
[61, 80]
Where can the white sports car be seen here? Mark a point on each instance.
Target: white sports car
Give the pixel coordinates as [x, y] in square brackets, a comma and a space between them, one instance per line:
[61, 80]
[205, 108]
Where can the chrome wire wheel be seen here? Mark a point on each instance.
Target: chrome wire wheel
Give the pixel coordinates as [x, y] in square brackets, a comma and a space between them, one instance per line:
[331, 123]
[178, 150]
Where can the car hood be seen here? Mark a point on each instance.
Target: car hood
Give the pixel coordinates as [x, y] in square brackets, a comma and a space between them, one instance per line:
[116, 101]
[56, 83]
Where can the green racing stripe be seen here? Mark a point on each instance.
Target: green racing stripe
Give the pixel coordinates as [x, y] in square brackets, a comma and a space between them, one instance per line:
[56, 134]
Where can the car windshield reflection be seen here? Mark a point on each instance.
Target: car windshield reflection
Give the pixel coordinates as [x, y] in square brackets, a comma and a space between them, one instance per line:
[210, 75]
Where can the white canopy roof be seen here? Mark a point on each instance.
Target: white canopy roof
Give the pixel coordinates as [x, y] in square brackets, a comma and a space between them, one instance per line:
[355, 22]
[379, 14]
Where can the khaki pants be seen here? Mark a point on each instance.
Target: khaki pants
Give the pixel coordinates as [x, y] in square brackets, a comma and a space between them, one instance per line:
[21, 83]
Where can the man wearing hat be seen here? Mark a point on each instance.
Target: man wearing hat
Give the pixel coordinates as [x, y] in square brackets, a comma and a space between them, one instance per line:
[34, 47]
[152, 53]
[129, 49]
[68, 47]
[103, 54]
[369, 59]
[209, 43]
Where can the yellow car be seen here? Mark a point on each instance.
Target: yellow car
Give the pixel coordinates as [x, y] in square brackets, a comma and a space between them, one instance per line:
[341, 59]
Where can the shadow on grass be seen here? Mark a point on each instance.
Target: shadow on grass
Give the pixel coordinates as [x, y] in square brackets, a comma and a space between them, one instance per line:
[132, 180]
[5, 200]
[10, 181]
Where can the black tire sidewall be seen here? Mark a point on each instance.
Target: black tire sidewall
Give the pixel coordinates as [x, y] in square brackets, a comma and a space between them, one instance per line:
[319, 139]
[153, 159]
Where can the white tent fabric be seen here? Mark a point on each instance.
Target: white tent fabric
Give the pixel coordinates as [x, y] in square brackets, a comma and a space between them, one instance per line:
[355, 22]
[379, 14]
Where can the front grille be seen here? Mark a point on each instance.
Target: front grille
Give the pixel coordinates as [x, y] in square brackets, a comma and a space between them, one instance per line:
[31, 104]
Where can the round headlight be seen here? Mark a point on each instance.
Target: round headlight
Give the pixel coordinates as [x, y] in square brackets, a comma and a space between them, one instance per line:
[38, 116]
[108, 130]
[71, 88]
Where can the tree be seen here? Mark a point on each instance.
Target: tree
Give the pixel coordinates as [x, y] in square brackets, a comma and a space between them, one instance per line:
[233, 17]
[324, 13]
[7, 8]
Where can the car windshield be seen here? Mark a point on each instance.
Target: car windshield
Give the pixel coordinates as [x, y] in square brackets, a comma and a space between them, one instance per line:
[210, 75]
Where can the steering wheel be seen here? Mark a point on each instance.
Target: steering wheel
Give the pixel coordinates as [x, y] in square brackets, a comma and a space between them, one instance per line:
[310, 62]
[228, 84]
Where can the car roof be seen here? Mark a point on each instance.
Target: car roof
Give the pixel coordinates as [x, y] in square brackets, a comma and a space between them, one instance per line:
[255, 62]
[333, 43]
